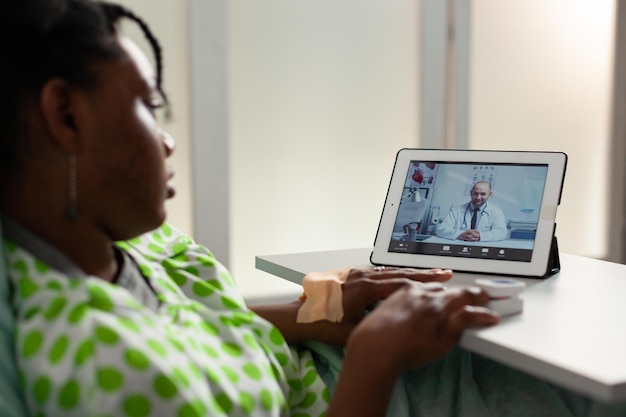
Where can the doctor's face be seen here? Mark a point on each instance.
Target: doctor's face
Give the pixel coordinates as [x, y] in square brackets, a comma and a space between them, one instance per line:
[480, 193]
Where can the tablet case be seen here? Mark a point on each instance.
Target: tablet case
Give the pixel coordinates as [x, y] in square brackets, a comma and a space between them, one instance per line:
[554, 262]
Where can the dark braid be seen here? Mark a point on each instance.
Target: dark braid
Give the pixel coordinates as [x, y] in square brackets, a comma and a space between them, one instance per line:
[44, 39]
[114, 13]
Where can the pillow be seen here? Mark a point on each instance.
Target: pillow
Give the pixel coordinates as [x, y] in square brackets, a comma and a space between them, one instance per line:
[11, 402]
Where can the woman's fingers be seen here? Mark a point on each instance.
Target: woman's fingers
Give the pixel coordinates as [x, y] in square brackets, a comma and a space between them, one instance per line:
[365, 286]
[417, 326]
[456, 298]
[422, 275]
[359, 294]
[470, 316]
[460, 308]
[375, 290]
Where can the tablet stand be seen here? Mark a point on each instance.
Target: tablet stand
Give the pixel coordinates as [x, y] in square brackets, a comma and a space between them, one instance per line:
[554, 261]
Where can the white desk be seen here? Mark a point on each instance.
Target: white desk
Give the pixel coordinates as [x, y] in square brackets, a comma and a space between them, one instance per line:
[570, 333]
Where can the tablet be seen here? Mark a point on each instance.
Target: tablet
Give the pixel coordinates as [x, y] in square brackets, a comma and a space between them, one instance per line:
[476, 211]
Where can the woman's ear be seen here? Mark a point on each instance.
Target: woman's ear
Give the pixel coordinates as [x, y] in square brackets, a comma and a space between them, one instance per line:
[60, 107]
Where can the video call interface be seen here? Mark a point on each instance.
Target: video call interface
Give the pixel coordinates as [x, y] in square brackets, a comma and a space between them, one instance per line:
[472, 210]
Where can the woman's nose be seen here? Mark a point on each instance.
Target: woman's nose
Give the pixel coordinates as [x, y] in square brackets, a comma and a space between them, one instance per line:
[169, 143]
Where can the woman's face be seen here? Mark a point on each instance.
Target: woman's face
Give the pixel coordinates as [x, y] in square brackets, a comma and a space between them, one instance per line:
[122, 172]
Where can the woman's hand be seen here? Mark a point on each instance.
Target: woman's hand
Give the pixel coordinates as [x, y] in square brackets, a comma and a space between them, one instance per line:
[410, 328]
[361, 290]
[366, 286]
[415, 326]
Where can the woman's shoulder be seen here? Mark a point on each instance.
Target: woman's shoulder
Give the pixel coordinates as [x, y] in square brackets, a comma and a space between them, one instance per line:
[191, 266]
[171, 248]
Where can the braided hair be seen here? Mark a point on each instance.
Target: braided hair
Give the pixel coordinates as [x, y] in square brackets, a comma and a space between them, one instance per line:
[44, 39]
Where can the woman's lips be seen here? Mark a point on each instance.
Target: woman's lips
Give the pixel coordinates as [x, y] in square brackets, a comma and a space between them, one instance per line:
[170, 190]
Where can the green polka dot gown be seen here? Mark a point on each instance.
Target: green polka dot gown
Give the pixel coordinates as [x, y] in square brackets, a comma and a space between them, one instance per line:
[86, 347]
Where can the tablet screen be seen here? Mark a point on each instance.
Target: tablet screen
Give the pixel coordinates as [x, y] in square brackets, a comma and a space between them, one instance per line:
[476, 211]
[469, 210]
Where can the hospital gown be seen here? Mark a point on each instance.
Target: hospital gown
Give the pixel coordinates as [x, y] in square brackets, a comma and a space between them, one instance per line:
[87, 347]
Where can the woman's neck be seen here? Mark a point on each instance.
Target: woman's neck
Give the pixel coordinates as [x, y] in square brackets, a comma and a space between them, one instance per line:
[67, 245]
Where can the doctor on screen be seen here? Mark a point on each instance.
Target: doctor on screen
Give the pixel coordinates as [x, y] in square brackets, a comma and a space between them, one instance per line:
[475, 220]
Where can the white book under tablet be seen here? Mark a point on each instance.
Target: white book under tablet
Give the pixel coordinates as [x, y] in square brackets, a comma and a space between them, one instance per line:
[477, 211]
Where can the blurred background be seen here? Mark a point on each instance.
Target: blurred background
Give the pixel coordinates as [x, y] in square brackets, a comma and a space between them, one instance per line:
[288, 113]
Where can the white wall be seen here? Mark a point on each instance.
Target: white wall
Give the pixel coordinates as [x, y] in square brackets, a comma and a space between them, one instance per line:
[323, 94]
[541, 78]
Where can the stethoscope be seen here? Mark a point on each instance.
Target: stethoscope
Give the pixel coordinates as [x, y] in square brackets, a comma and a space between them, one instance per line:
[464, 224]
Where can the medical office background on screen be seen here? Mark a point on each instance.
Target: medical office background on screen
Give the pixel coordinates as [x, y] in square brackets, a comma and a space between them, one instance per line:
[432, 188]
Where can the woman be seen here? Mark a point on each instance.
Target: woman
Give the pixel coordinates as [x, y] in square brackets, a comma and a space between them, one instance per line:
[117, 313]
